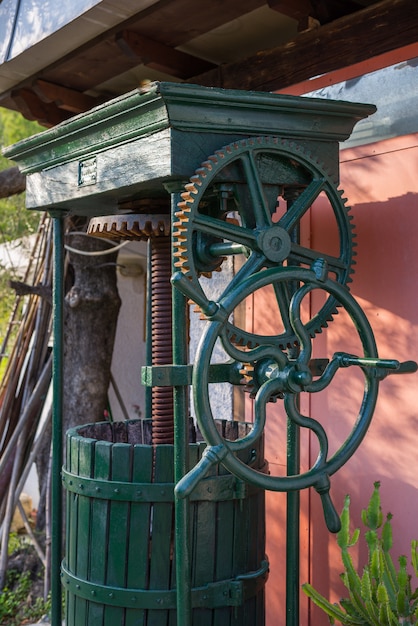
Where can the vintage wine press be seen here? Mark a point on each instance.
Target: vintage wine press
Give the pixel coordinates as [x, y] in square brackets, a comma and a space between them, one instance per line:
[165, 526]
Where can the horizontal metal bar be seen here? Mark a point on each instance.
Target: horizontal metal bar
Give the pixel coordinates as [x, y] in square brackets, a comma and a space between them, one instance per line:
[179, 375]
[230, 592]
[213, 488]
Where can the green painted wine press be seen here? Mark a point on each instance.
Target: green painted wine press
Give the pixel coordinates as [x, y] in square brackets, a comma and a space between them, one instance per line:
[165, 515]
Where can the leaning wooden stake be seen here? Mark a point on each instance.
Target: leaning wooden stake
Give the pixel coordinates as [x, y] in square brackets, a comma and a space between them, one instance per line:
[25, 382]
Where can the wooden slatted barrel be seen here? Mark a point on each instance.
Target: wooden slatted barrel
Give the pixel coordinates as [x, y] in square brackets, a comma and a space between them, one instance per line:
[119, 568]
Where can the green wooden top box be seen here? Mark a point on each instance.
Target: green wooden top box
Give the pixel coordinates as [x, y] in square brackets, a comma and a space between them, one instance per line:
[153, 139]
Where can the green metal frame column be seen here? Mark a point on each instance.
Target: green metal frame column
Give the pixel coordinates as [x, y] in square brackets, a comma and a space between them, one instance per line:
[293, 469]
[181, 453]
[292, 528]
[57, 446]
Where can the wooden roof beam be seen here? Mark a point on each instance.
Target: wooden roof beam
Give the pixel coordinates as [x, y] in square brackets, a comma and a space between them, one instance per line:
[300, 10]
[32, 107]
[63, 97]
[161, 57]
[351, 39]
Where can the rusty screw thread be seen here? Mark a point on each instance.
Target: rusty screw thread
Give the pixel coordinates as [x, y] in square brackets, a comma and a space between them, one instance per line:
[162, 411]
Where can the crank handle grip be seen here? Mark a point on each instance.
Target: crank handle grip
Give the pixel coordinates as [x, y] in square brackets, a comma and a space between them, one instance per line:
[209, 308]
[345, 360]
[382, 367]
[210, 457]
[331, 516]
[407, 367]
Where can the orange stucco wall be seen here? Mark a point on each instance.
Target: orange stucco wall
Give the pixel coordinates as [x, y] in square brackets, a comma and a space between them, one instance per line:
[381, 184]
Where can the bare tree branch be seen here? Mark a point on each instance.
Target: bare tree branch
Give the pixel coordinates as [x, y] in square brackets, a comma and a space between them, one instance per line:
[23, 289]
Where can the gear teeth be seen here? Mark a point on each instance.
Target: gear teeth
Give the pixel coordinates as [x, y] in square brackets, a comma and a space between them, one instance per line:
[182, 223]
[208, 165]
[232, 338]
[180, 251]
[181, 230]
[183, 207]
[198, 310]
[247, 373]
[186, 195]
[181, 264]
[191, 188]
[202, 172]
[180, 239]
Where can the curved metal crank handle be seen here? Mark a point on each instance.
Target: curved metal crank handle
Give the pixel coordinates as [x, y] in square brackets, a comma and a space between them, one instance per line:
[377, 368]
[212, 455]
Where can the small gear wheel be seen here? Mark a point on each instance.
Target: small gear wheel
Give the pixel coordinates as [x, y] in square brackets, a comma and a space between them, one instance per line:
[247, 373]
[251, 199]
[251, 382]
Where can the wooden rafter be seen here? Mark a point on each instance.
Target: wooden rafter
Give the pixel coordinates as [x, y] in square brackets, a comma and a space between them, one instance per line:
[161, 57]
[64, 98]
[32, 107]
[300, 10]
[375, 30]
[367, 29]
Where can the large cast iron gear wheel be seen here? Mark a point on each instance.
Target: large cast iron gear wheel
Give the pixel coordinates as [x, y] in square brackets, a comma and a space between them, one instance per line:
[232, 205]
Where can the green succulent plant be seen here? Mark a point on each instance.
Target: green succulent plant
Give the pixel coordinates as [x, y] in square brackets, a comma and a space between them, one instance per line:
[382, 595]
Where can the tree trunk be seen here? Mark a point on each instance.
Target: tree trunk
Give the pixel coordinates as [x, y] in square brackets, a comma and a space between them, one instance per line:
[90, 317]
[91, 310]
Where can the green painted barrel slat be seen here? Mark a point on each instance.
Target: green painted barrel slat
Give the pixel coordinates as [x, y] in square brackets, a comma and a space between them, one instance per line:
[118, 531]
[119, 568]
[162, 533]
[99, 524]
[224, 558]
[139, 528]
[84, 531]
